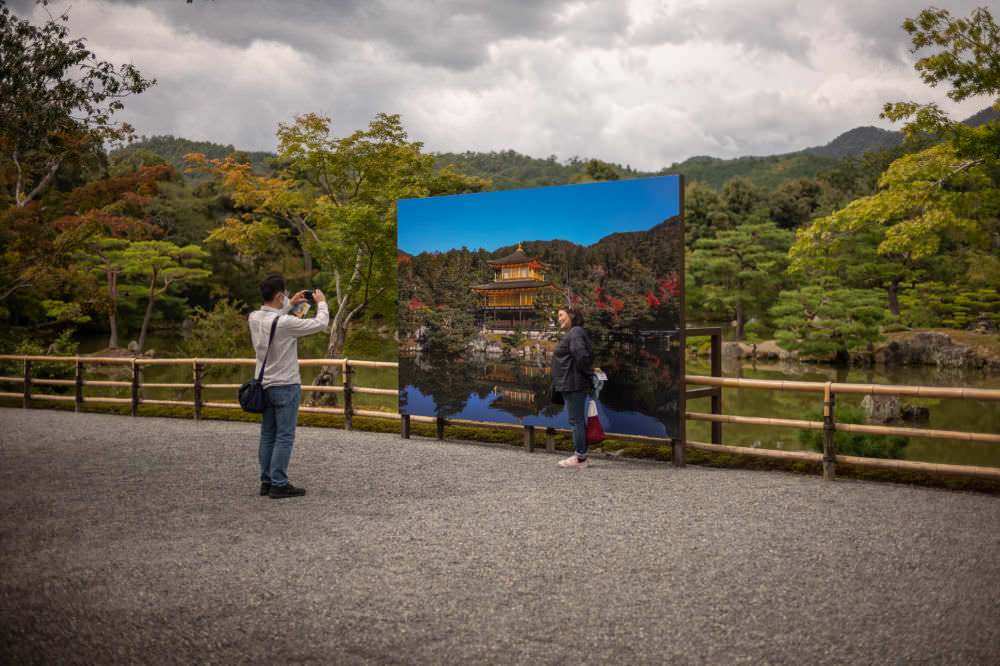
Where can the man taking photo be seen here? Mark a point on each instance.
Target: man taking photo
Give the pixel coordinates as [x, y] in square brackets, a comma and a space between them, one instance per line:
[282, 382]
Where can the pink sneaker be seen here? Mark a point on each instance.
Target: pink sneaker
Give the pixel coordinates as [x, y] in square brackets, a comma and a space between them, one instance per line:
[573, 461]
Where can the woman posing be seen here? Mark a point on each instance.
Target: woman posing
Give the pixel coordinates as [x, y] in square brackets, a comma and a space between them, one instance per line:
[573, 377]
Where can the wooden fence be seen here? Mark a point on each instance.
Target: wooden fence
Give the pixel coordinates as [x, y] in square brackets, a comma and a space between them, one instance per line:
[348, 389]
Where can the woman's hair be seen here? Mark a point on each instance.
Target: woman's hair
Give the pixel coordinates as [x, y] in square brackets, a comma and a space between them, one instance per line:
[271, 286]
[575, 314]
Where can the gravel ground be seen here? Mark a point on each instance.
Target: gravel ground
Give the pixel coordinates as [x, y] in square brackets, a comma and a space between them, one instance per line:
[128, 540]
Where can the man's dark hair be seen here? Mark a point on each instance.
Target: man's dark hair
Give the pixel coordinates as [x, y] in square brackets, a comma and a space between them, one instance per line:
[575, 314]
[271, 286]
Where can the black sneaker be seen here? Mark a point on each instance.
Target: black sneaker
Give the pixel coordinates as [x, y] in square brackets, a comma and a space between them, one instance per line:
[288, 490]
[265, 488]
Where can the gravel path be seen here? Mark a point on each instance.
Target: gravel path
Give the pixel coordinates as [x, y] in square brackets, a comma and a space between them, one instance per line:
[127, 540]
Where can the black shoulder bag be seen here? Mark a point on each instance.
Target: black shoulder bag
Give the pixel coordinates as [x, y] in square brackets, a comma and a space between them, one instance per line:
[251, 394]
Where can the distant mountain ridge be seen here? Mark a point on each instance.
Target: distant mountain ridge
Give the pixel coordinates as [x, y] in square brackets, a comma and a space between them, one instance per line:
[508, 169]
[858, 141]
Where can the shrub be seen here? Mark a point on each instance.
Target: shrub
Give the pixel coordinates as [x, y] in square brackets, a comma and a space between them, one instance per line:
[860, 444]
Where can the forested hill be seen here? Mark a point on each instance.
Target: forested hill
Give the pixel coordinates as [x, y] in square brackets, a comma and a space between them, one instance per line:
[508, 169]
[768, 171]
[173, 149]
[858, 141]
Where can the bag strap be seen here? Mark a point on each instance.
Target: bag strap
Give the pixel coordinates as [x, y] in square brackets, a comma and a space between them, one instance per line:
[274, 324]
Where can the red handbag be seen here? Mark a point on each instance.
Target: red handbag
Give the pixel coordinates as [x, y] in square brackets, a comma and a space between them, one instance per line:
[595, 431]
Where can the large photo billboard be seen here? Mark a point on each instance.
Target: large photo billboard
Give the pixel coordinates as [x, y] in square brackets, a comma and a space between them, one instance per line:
[482, 276]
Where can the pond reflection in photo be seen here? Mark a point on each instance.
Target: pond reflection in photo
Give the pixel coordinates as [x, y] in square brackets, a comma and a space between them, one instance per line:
[639, 398]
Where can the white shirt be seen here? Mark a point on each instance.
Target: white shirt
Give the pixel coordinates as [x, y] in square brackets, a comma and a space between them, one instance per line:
[283, 359]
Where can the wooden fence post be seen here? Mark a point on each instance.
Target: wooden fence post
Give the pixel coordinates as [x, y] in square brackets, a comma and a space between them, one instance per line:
[529, 438]
[829, 428]
[348, 410]
[404, 426]
[135, 388]
[199, 368]
[717, 397]
[550, 439]
[78, 395]
[27, 384]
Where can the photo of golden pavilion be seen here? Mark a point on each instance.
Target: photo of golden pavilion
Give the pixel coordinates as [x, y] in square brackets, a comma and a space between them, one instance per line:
[518, 281]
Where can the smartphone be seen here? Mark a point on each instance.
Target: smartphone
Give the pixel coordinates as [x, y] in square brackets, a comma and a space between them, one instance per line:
[308, 294]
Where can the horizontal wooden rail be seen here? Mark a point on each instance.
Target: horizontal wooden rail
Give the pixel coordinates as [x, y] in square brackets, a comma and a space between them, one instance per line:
[323, 389]
[714, 386]
[856, 389]
[54, 382]
[694, 394]
[920, 432]
[754, 420]
[221, 405]
[752, 451]
[877, 463]
[847, 427]
[375, 391]
[702, 332]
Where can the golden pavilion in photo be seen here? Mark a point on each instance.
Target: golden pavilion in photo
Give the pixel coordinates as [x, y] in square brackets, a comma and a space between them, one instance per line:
[518, 280]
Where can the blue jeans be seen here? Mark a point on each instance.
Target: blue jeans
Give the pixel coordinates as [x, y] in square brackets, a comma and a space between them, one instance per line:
[277, 432]
[576, 410]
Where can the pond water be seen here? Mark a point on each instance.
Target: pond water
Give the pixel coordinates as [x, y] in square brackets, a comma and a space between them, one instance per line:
[944, 414]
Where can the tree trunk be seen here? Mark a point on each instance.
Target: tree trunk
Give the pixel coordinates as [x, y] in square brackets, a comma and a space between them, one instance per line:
[334, 349]
[149, 313]
[893, 291]
[739, 320]
[113, 324]
[113, 316]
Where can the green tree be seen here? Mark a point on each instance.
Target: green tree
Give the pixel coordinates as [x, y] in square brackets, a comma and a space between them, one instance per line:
[964, 57]
[743, 269]
[930, 202]
[338, 195]
[599, 171]
[943, 200]
[103, 219]
[444, 331]
[105, 256]
[740, 198]
[827, 320]
[704, 213]
[795, 202]
[56, 100]
[161, 264]
[218, 333]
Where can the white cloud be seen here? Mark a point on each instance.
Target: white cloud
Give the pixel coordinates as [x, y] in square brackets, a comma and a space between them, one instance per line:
[643, 82]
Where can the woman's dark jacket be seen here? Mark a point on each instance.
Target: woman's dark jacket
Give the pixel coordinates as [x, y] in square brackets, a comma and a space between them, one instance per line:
[573, 362]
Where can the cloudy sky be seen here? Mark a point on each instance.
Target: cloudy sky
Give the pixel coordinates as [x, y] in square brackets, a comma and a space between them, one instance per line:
[639, 82]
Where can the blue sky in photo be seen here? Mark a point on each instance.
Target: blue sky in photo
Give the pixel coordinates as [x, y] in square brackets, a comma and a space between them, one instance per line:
[582, 214]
